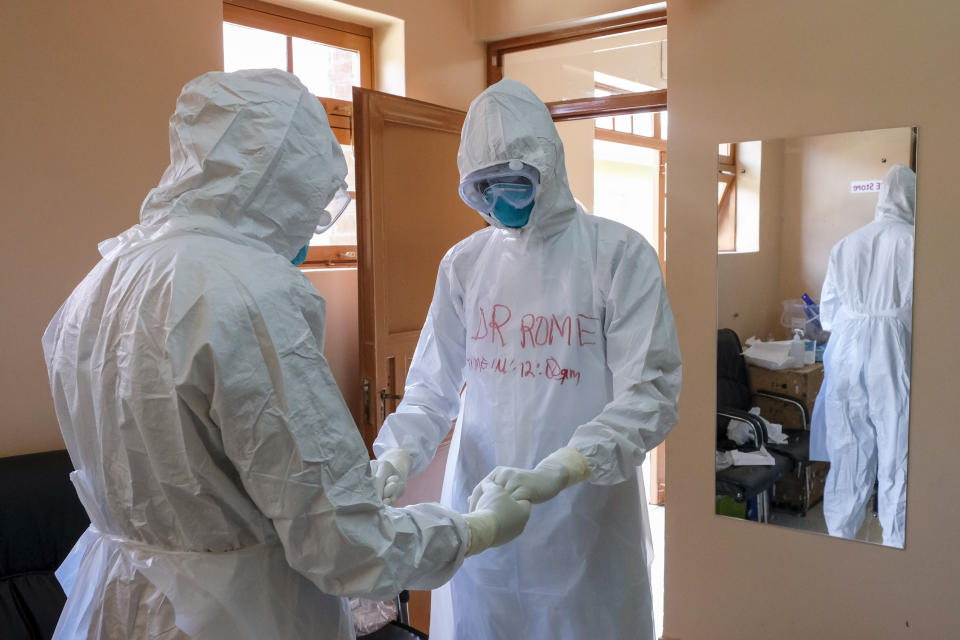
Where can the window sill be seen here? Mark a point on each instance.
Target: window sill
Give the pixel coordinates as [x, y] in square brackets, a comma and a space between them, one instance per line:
[331, 256]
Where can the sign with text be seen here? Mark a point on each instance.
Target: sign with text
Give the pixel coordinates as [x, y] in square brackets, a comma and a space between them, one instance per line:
[865, 186]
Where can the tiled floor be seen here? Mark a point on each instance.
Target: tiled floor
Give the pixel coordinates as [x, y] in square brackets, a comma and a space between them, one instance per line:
[870, 531]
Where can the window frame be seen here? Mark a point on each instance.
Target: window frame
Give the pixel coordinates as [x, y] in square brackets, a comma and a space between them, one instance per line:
[727, 201]
[656, 142]
[498, 48]
[335, 33]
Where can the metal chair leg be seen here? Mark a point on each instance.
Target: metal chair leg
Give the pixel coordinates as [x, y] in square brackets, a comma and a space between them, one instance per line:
[403, 610]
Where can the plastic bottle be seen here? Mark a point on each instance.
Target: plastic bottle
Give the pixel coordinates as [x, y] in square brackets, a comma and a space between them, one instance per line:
[812, 309]
[797, 349]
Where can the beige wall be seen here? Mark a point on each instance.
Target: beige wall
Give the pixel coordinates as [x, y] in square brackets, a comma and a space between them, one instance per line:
[342, 339]
[889, 64]
[818, 208]
[748, 284]
[88, 89]
[806, 207]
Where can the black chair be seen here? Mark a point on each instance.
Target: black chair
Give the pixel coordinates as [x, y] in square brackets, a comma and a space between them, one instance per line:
[40, 520]
[733, 403]
[797, 447]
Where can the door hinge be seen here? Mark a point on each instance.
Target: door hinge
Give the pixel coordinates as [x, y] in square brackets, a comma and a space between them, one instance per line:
[384, 396]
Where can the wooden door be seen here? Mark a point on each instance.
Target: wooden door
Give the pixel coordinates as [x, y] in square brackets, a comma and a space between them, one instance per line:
[408, 215]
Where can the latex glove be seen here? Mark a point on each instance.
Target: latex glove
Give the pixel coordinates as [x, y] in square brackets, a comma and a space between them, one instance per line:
[497, 518]
[390, 474]
[561, 469]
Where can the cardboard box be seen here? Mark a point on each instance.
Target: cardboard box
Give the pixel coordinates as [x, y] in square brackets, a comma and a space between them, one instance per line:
[803, 383]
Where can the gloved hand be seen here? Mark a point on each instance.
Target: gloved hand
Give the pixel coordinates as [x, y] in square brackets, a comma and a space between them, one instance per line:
[561, 469]
[390, 474]
[496, 519]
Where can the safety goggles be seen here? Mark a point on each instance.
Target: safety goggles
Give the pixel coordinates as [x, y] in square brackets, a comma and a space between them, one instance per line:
[514, 182]
[333, 210]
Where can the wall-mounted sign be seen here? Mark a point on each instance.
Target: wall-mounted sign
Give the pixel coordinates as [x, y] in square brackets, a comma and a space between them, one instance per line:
[865, 186]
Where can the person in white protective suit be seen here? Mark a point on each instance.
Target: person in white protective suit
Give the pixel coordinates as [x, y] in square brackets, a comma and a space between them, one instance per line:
[867, 305]
[559, 324]
[230, 493]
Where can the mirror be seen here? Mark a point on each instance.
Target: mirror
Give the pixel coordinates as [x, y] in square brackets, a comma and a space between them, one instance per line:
[815, 299]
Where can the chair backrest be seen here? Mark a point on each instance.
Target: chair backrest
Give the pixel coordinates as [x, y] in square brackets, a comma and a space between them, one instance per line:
[40, 520]
[733, 381]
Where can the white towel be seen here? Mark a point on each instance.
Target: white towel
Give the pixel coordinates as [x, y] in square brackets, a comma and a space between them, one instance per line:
[753, 458]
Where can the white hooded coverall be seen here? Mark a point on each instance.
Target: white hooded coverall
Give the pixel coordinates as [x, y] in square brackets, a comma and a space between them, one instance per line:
[867, 305]
[228, 487]
[563, 334]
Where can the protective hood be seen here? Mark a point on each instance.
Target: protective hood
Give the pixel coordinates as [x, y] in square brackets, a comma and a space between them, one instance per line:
[508, 122]
[898, 195]
[252, 149]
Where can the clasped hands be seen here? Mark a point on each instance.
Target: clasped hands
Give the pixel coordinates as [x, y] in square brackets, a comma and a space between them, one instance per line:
[500, 503]
[505, 487]
[495, 516]
[561, 469]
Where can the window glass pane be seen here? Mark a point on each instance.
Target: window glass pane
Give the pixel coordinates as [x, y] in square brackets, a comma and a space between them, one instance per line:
[605, 123]
[345, 230]
[643, 124]
[725, 149]
[626, 186]
[622, 123]
[721, 185]
[326, 71]
[249, 48]
[620, 63]
[663, 125]
[351, 167]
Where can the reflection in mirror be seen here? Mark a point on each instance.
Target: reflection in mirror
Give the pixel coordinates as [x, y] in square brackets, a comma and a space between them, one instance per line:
[815, 301]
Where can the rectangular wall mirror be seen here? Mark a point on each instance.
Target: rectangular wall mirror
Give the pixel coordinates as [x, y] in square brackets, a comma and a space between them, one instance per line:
[814, 331]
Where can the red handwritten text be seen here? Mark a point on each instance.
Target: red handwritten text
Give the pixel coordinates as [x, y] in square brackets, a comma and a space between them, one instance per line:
[535, 330]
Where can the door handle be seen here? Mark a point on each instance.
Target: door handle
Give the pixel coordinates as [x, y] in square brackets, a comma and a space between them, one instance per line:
[384, 396]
